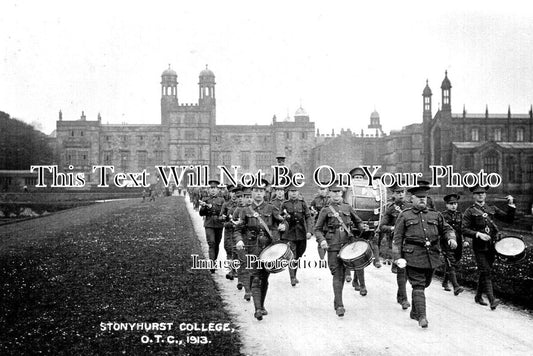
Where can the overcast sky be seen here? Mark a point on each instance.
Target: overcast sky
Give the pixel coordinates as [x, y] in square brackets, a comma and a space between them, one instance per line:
[339, 59]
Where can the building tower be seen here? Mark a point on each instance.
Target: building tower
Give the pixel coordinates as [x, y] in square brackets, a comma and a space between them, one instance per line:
[206, 87]
[169, 94]
[374, 121]
[426, 123]
[446, 93]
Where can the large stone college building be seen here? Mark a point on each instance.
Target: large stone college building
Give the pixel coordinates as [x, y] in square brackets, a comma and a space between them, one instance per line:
[188, 134]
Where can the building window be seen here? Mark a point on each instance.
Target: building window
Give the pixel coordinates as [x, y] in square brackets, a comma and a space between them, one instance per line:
[245, 159]
[497, 134]
[140, 140]
[189, 135]
[512, 169]
[124, 139]
[124, 158]
[304, 135]
[190, 153]
[262, 160]
[108, 138]
[475, 134]
[108, 157]
[490, 162]
[72, 133]
[288, 135]
[529, 169]
[158, 138]
[158, 157]
[81, 133]
[142, 159]
[520, 134]
[225, 158]
[468, 162]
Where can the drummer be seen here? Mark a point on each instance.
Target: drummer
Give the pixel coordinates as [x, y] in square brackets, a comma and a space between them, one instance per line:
[451, 257]
[299, 226]
[417, 234]
[478, 225]
[387, 226]
[244, 198]
[252, 235]
[320, 201]
[333, 230]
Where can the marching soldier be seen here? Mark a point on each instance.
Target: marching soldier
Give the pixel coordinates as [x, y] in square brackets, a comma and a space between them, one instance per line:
[417, 237]
[253, 234]
[277, 200]
[478, 224]
[321, 201]
[296, 214]
[210, 209]
[451, 257]
[333, 230]
[226, 216]
[244, 198]
[387, 226]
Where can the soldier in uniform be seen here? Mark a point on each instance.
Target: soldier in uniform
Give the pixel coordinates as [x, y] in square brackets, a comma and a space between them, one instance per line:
[451, 257]
[253, 234]
[333, 230]
[387, 226]
[296, 214]
[478, 225]
[210, 208]
[417, 237]
[226, 216]
[244, 198]
[320, 201]
[277, 200]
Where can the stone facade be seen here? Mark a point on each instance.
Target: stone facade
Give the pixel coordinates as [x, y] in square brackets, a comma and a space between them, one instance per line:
[188, 134]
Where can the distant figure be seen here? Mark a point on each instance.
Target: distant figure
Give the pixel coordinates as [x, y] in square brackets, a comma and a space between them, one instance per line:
[144, 195]
[25, 189]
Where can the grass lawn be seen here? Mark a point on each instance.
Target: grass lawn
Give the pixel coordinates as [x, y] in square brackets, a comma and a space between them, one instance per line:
[130, 265]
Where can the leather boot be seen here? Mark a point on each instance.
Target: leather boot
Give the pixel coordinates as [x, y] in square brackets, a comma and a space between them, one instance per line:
[338, 284]
[256, 295]
[490, 294]
[401, 281]
[360, 276]
[419, 301]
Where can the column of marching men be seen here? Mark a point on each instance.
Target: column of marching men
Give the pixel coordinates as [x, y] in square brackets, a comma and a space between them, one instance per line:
[420, 238]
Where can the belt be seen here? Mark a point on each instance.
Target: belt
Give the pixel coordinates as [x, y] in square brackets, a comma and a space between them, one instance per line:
[421, 243]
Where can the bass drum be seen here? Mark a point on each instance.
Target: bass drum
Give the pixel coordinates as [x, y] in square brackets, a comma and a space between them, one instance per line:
[510, 249]
[356, 255]
[369, 203]
[272, 256]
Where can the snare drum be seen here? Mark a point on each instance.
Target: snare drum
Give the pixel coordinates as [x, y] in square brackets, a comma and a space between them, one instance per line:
[369, 202]
[272, 256]
[356, 255]
[510, 249]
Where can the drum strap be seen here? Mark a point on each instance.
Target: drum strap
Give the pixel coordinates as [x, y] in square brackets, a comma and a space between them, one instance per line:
[261, 221]
[486, 216]
[336, 214]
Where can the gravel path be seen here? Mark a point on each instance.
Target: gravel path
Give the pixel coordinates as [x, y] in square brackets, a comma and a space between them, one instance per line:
[301, 319]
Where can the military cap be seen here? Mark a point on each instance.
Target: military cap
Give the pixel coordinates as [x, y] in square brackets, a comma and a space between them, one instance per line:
[259, 185]
[292, 187]
[478, 189]
[246, 190]
[280, 158]
[233, 188]
[396, 186]
[336, 187]
[451, 198]
[324, 185]
[357, 171]
[419, 190]
[238, 192]
[213, 183]
[278, 187]
[265, 182]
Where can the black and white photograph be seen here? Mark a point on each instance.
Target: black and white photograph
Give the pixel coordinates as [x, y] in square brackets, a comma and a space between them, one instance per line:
[266, 178]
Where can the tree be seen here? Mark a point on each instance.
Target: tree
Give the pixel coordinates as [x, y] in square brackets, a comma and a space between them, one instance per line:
[21, 146]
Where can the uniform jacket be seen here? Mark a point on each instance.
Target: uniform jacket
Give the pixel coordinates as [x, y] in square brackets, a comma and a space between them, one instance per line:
[228, 209]
[479, 218]
[298, 219]
[391, 214]
[329, 228]
[417, 235]
[249, 230]
[455, 220]
[211, 214]
[318, 203]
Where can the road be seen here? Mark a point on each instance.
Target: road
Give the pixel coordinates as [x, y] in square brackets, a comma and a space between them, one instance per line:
[301, 319]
